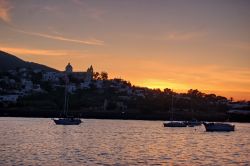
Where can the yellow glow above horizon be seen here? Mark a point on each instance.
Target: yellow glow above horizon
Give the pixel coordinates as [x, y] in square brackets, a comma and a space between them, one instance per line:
[183, 88]
[161, 84]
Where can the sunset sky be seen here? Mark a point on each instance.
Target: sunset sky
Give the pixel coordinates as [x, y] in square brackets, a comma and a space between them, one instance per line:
[177, 44]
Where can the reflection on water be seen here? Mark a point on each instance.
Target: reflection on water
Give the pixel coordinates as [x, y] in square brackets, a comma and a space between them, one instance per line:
[33, 141]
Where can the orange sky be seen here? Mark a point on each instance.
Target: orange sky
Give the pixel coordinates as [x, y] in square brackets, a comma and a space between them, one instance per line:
[158, 44]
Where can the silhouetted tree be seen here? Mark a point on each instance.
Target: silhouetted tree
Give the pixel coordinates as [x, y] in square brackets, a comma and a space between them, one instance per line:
[168, 91]
[96, 76]
[195, 93]
[104, 75]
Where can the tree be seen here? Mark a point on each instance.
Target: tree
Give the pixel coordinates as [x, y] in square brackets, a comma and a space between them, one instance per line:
[104, 75]
[195, 93]
[96, 76]
[168, 91]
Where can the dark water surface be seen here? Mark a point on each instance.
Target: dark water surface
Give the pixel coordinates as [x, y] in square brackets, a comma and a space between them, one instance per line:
[35, 141]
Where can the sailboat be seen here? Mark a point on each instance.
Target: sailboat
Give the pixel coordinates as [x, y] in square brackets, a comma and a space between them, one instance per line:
[173, 123]
[65, 119]
[194, 122]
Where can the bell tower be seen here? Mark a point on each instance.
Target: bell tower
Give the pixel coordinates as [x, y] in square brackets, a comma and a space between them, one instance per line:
[68, 69]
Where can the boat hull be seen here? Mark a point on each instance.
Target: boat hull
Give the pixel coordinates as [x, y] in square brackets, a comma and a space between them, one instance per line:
[67, 121]
[174, 124]
[210, 127]
[193, 123]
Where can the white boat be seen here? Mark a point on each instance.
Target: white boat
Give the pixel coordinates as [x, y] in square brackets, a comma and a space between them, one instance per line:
[219, 126]
[173, 123]
[194, 122]
[65, 119]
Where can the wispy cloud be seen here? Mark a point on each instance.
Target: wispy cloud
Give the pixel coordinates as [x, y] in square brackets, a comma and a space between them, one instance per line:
[62, 38]
[28, 51]
[4, 10]
[178, 36]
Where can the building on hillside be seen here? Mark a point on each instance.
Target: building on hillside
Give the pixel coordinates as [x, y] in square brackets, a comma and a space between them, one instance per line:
[71, 88]
[68, 69]
[21, 70]
[12, 72]
[27, 85]
[9, 98]
[52, 76]
[89, 74]
[37, 88]
[121, 106]
[84, 85]
[85, 76]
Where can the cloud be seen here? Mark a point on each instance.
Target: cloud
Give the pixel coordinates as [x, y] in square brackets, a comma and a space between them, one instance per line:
[4, 10]
[62, 38]
[168, 36]
[28, 51]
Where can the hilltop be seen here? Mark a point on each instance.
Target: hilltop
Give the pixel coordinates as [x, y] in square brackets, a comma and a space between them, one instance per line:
[11, 62]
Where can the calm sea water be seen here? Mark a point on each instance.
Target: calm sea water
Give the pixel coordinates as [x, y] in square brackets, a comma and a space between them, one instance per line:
[34, 141]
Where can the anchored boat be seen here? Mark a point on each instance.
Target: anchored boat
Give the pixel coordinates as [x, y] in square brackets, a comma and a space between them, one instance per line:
[219, 126]
[173, 123]
[65, 119]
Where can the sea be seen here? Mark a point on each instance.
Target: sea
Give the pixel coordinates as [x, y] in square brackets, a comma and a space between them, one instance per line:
[38, 141]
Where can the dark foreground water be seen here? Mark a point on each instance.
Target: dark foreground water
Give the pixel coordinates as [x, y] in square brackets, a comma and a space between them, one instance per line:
[30, 141]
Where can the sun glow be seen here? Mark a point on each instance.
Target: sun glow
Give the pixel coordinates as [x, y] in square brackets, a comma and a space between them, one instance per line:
[183, 88]
[162, 84]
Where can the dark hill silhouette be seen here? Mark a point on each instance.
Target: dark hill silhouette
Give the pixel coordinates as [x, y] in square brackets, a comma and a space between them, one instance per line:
[10, 62]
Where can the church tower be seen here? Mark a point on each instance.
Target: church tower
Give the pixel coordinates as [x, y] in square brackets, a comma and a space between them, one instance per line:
[68, 69]
[90, 70]
[89, 74]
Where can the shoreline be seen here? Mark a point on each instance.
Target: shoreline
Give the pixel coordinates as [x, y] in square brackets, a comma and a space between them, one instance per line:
[116, 119]
[125, 115]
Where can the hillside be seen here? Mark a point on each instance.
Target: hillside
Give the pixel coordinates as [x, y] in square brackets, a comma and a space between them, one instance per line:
[9, 62]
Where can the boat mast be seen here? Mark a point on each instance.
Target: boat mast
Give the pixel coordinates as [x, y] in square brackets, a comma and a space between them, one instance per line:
[65, 109]
[172, 108]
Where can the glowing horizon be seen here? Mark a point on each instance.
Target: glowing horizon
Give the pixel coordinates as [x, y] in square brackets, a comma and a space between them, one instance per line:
[156, 44]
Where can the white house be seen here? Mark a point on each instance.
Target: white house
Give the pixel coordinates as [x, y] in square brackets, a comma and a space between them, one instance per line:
[99, 84]
[37, 70]
[28, 85]
[9, 98]
[71, 88]
[22, 70]
[84, 85]
[37, 88]
[52, 76]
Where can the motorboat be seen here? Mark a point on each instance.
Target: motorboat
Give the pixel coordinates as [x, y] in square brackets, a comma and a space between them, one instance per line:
[212, 126]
